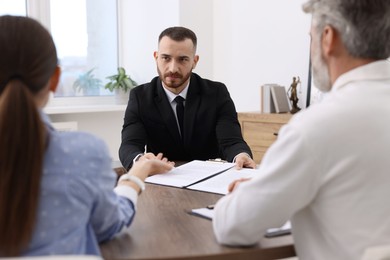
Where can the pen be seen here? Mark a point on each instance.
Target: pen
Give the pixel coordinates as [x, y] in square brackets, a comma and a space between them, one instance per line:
[210, 206]
[217, 160]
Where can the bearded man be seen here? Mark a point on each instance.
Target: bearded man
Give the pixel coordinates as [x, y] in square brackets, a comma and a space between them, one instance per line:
[180, 114]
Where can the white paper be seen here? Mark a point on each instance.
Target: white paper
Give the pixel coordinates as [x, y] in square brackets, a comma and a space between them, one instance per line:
[220, 183]
[204, 212]
[189, 173]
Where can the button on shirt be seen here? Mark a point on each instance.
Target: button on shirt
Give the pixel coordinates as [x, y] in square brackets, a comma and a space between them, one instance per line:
[78, 207]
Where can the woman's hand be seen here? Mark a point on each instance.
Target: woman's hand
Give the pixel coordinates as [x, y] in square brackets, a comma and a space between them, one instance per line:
[149, 164]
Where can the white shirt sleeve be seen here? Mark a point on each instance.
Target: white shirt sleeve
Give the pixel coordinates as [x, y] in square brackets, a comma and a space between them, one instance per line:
[270, 199]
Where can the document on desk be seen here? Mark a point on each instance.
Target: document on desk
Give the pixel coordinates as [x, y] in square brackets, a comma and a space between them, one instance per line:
[220, 183]
[190, 173]
[203, 212]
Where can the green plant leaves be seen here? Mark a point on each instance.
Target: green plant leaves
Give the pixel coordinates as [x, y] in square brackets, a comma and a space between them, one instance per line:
[87, 81]
[120, 81]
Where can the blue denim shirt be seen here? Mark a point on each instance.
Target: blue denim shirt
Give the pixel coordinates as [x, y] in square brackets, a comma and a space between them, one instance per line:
[78, 207]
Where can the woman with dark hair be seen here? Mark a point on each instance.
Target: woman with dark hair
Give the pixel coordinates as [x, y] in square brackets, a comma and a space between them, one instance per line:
[56, 189]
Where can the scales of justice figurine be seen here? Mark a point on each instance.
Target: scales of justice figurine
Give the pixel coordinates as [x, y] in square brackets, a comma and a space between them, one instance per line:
[293, 95]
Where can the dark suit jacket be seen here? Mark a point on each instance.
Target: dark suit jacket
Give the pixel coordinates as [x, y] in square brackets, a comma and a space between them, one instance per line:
[211, 128]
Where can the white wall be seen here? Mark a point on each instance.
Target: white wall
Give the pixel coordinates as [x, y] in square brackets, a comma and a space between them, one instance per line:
[106, 125]
[257, 42]
[141, 23]
[243, 43]
[198, 16]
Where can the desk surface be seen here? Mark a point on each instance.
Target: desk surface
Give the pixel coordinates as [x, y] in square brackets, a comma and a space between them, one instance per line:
[162, 229]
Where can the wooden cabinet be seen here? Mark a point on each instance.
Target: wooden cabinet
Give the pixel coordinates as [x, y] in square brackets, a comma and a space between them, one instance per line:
[259, 130]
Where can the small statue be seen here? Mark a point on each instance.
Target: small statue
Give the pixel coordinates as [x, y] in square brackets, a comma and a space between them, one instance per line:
[293, 96]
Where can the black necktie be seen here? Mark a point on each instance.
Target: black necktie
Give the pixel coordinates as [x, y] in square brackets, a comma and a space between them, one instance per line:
[180, 112]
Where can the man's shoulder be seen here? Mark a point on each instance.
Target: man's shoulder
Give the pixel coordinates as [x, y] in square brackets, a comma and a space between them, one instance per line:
[207, 85]
[147, 87]
[198, 79]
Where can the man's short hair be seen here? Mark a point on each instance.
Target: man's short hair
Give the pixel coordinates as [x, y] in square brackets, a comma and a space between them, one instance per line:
[179, 34]
[364, 25]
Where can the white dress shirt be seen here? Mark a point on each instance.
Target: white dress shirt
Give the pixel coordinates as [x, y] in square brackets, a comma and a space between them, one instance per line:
[171, 96]
[328, 172]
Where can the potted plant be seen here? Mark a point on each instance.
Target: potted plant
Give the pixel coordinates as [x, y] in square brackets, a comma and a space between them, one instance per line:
[121, 84]
[88, 84]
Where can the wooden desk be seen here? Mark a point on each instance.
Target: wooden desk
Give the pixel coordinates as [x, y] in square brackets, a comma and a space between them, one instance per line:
[163, 230]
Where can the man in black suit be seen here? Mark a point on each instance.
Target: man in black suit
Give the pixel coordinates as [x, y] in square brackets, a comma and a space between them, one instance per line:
[179, 114]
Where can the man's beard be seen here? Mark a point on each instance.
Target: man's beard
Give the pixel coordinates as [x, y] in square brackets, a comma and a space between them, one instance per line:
[180, 79]
[321, 76]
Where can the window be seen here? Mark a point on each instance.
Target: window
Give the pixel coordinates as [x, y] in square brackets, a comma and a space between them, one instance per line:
[86, 36]
[13, 7]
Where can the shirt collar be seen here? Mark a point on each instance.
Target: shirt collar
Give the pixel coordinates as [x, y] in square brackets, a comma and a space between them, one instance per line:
[172, 96]
[377, 70]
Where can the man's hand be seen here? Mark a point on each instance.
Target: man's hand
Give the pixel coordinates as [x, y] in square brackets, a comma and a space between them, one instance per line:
[234, 184]
[243, 160]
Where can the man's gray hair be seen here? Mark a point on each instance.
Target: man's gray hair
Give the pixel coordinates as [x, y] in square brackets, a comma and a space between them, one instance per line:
[364, 25]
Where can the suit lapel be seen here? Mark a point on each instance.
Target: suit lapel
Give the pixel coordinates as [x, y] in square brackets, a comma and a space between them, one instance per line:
[165, 110]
